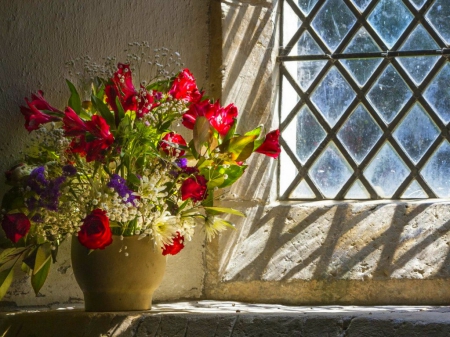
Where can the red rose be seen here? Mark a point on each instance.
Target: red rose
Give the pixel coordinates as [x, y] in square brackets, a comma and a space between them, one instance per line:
[271, 145]
[185, 88]
[34, 117]
[16, 226]
[175, 247]
[95, 232]
[168, 148]
[194, 188]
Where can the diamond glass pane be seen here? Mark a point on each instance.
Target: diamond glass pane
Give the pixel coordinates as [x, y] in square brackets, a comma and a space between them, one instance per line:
[305, 71]
[359, 134]
[389, 94]
[330, 171]
[436, 172]
[386, 171]
[304, 134]
[361, 69]
[357, 191]
[361, 4]
[416, 133]
[332, 22]
[303, 191]
[418, 3]
[438, 94]
[414, 191]
[289, 171]
[306, 5]
[390, 19]
[333, 96]
[291, 23]
[419, 67]
[438, 16]
[289, 98]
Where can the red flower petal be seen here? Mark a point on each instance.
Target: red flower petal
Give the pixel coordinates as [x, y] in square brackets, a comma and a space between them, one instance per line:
[34, 117]
[194, 188]
[16, 226]
[169, 149]
[271, 145]
[185, 88]
[95, 232]
[176, 246]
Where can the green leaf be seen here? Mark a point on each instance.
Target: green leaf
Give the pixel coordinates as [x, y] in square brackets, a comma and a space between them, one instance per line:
[240, 147]
[120, 110]
[231, 131]
[255, 132]
[218, 210]
[202, 132]
[234, 172]
[13, 199]
[104, 111]
[74, 100]
[133, 179]
[43, 255]
[38, 278]
[6, 277]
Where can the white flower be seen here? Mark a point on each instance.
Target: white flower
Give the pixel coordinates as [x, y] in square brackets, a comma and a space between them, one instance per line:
[163, 229]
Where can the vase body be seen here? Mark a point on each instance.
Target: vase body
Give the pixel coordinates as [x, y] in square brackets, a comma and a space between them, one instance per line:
[112, 280]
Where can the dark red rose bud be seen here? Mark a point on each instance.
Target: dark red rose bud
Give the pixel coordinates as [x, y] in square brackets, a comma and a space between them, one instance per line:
[95, 232]
[194, 188]
[16, 226]
[271, 145]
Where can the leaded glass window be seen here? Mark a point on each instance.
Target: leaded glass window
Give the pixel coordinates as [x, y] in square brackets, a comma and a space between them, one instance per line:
[364, 99]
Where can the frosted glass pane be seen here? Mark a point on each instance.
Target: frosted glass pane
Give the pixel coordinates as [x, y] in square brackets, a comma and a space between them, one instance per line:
[304, 134]
[438, 94]
[386, 171]
[361, 69]
[332, 22]
[330, 171]
[418, 3]
[303, 191]
[438, 16]
[289, 98]
[289, 171]
[389, 94]
[306, 46]
[361, 4]
[359, 134]
[416, 133]
[390, 19]
[437, 171]
[414, 191]
[332, 96]
[306, 5]
[357, 191]
[291, 23]
[419, 67]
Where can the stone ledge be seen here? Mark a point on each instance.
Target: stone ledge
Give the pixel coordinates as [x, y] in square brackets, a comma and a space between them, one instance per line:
[213, 318]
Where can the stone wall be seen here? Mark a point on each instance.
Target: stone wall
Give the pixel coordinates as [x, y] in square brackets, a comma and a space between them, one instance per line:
[37, 38]
[312, 253]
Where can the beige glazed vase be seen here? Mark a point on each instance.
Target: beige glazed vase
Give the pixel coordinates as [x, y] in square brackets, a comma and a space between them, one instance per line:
[114, 281]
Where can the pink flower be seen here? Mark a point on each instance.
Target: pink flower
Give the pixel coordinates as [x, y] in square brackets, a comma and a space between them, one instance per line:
[16, 226]
[271, 145]
[176, 246]
[95, 232]
[169, 149]
[194, 188]
[73, 125]
[34, 116]
[185, 88]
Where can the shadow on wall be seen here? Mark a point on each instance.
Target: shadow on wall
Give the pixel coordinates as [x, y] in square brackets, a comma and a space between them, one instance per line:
[346, 241]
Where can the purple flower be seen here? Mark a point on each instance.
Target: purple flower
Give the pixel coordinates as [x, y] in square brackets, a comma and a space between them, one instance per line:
[47, 192]
[120, 186]
[181, 163]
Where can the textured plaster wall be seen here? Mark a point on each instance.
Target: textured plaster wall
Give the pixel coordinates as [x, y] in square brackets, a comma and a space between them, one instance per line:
[36, 39]
[312, 253]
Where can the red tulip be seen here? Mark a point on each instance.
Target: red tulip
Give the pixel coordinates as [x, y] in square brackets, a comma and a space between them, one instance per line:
[34, 116]
[73, 125]
[271, 145]
[176, 246]
[194, 188]
[16, 226]
[222, 119]
[185, 88]
[168, 148]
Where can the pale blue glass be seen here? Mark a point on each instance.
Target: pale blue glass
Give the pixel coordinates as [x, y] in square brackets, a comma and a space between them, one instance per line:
[438, 94]
[419, 67]
[390, 19]
[359, 134]
[333, 22]
[333, 96]
[418, 3]
[414, 191]
[436, 172]
[389, 94]
[416, 133]
[386, 171]
[306, 5]
[330, 171]
[438, 16]
[361, 4]
[357, 191]
[309, 134]
[361, 69]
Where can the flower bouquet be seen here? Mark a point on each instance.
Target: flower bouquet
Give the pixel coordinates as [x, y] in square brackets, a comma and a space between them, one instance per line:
[113, 166]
